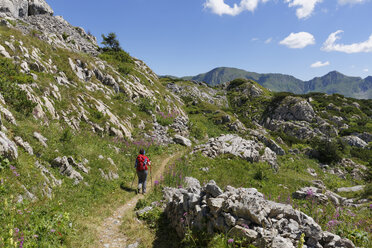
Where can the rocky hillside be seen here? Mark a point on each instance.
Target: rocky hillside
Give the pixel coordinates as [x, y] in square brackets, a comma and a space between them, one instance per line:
[333, 82]
[73, 116]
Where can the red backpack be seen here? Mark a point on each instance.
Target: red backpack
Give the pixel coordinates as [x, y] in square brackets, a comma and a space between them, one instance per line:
[142, 161]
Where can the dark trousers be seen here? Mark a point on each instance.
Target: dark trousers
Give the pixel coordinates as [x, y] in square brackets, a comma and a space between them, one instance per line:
[142, 180]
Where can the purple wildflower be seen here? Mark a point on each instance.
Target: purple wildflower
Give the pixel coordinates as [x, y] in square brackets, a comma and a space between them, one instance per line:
[310, 193]
[156, 182]
[230, 241]
[16, 230]
[52, 230]
[35, 236]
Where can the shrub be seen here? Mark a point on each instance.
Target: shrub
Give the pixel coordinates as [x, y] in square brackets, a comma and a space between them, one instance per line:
[65, 36]
[145, 105]
[66, 136]
[329, 151]
[10, 76]
[4, 163]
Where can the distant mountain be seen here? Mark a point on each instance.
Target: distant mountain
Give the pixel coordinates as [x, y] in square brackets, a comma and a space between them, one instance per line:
[333, 82]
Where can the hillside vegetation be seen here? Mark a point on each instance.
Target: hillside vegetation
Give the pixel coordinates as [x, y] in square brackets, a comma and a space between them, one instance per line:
[73, 117]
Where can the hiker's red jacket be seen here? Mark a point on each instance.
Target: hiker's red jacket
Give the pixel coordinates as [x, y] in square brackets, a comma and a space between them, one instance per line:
[142, 162]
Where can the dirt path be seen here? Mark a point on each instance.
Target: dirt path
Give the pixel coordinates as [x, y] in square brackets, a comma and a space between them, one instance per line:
[109, 231]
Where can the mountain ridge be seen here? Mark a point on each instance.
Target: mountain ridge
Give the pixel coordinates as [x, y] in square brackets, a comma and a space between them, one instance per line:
[330, 83]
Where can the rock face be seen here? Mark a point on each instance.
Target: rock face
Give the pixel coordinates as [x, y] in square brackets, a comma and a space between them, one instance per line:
[65, 166]
[355, 141]
[23, 8]
[8, 148]
[295, 116]
[243, 213]
[237, 146]
[39, 7]
[200, 93]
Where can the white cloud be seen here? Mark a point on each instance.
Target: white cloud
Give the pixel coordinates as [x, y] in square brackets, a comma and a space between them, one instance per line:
[268, 40]
[366, 70]
[343, 2]
[298, 40]
[305, 7]
[330, 45]
[319, 64]
[254, 39]
[219, 7]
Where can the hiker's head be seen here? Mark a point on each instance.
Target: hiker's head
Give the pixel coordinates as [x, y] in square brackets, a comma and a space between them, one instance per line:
[142, 151]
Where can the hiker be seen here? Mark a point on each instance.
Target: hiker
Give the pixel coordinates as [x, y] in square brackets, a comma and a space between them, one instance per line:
[142, 163]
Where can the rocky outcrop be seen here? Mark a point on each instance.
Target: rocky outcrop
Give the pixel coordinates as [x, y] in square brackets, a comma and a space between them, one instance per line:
[8, 148]
[25, 145]
[59, 33]
[243, 213]
[296, 117]
[24, 8]
[66, 169]
[322, 196]
[182, 140]
[41, 139]
[351, 189]
[198, 92]
[39, 7]
[355, 141]
[50, 180]
[237, 146]
[294, 109]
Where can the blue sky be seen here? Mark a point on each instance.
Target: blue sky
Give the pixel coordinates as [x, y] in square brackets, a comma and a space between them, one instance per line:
[303, 38]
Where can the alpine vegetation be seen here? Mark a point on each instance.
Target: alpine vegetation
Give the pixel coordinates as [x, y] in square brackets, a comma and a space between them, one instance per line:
[295, 169]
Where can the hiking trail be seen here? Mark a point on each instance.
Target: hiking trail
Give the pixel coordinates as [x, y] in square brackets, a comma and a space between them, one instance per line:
[109, 232]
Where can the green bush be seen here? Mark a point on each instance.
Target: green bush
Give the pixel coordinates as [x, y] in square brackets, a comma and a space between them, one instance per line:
[4, 163]
[146, 106]
[10, 76]
[329, 151]
[66, 136]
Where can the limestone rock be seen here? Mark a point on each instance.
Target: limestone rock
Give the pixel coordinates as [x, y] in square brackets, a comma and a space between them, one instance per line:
[143, 211]
[8, 115]
[237, 146]
[25, 145]
[39, 7]
[66, 169]
[4, 52]
[351, 189]
[8, 148]
[245, 214]
[14, 8]
[24, 8]
[41, 139]
[182, 140]
[355, 141]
